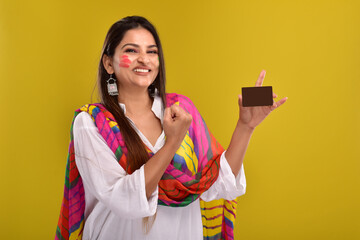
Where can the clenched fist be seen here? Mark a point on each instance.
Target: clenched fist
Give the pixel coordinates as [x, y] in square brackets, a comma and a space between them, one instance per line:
[176, 123]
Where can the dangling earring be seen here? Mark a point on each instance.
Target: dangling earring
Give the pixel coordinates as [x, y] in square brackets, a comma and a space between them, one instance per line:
[112, 87]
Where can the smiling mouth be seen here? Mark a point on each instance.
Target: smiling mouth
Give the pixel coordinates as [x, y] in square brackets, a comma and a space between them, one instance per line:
[141, 70]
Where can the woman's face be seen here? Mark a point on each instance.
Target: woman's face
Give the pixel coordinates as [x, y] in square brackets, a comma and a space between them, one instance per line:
[135, 61]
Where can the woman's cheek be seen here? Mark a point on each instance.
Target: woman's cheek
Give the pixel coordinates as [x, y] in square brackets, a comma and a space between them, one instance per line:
[158, 62]
[124, 61]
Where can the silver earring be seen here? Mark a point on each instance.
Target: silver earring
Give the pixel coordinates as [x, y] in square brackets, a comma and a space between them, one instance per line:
[112, 87]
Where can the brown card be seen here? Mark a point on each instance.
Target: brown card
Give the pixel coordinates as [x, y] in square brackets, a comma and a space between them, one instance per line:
[257, 96]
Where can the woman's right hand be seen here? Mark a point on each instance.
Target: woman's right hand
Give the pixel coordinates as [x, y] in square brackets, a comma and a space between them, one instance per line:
[176, 123]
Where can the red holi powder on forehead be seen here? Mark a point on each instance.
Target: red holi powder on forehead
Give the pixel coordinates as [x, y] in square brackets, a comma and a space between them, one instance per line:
[125, 61]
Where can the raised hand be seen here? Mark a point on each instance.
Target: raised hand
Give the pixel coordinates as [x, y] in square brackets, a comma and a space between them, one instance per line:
[253, 116]
[176, 123]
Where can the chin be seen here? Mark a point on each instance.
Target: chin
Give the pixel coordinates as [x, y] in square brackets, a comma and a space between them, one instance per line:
[143, 84]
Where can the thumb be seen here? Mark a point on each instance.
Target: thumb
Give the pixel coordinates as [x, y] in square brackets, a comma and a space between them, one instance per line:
[240, 100]
[167, 114]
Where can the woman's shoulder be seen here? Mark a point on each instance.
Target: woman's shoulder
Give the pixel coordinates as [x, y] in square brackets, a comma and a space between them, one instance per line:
[85, 114]
[94, 109]
[83, 120]
[91, 108]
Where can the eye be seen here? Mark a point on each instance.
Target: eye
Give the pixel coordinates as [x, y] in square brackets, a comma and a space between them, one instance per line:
[153, 51]
[130, 50]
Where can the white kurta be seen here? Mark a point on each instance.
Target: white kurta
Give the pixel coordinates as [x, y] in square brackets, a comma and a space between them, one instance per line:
[116, 202]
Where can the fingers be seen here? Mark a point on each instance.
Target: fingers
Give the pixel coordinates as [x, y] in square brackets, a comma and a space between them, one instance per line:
[175, 111]
[279, 103]
[260, 80]
[275, 95]
[179, 113]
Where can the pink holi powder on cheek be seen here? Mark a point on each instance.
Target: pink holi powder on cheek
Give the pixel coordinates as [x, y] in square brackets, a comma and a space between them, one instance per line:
[125, 61]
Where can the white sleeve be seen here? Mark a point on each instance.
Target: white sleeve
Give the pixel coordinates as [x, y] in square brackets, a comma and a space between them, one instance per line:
[226, 186]
[124, 194]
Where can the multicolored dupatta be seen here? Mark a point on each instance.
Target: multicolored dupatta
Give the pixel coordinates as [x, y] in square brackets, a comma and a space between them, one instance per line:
[194, 168]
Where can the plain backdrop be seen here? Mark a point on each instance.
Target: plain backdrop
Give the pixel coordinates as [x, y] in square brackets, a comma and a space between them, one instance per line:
[303, 162]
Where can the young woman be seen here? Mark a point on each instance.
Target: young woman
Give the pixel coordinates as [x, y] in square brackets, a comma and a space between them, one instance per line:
[142, 163]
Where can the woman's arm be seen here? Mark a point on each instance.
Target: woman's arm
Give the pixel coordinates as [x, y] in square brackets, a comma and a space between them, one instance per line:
[127, 195]
[176, 123]
[103, 177]
[249, 118]
[237, 147]
[226, 186]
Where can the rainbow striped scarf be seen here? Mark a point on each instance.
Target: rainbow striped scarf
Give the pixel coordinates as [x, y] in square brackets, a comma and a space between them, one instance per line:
[194, 168]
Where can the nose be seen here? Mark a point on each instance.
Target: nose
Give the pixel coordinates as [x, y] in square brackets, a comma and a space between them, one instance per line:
[143, 58]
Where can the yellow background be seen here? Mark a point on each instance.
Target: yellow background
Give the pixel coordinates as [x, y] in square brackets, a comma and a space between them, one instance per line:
[303, 162]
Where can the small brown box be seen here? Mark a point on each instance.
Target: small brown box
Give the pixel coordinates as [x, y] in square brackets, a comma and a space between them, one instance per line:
[257, 96]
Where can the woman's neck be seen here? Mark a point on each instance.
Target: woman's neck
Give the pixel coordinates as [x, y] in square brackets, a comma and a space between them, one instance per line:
[137, 103]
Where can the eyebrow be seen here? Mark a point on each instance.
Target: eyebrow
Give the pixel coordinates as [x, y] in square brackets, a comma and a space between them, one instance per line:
[137, 46]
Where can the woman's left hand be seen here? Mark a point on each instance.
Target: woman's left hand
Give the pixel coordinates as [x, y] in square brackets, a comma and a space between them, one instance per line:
[253, 116]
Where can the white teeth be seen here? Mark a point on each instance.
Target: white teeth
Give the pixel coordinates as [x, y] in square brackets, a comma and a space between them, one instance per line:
[141, 70]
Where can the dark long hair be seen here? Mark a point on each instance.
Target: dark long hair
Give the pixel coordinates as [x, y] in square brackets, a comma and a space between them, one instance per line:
[137, 154]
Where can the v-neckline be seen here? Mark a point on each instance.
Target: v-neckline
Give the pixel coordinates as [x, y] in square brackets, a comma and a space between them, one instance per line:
[152, 148]
[145, 139]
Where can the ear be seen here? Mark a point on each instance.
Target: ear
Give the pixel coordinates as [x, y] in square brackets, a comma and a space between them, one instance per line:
[107, 62]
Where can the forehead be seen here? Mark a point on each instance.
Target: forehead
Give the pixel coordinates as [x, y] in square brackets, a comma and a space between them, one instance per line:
[139, 36]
